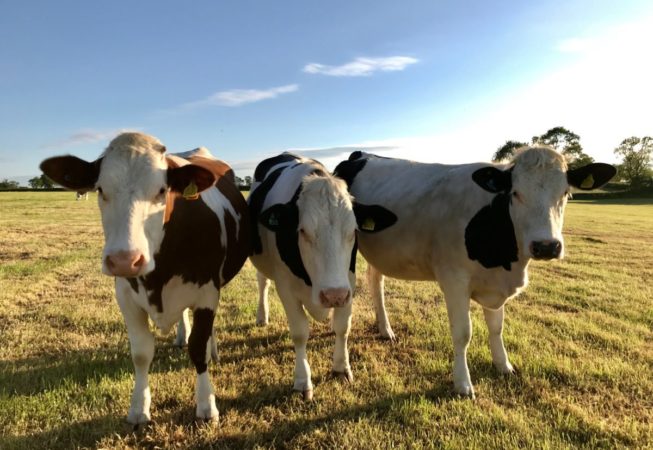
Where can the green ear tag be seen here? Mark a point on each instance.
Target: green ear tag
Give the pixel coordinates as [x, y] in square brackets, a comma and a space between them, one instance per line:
[588, 182]
[273, 220]
[368, 224]
[190, 192]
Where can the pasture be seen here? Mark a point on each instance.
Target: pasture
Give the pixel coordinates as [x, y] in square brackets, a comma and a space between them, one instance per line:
[581, 336]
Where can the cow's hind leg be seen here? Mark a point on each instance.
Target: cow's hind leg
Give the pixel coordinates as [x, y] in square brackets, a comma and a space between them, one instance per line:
[494, 321]
[375, 281]
[183, 330]
[457, 298]
[263, 311]
[341, 325]
[141, 342]
[199, 349]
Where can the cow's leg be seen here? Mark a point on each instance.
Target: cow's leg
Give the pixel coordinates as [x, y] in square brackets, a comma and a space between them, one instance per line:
[341, 324]
[457, 298]
[298, 326]
[494, 321]
[141, 342]
[183, 330]
[263, 311]
[214, 348]
[199, 349]
[375, 281]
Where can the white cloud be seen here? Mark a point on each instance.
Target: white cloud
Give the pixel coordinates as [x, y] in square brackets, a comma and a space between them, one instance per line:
[87, 136]
[238, 97]
[361, 67]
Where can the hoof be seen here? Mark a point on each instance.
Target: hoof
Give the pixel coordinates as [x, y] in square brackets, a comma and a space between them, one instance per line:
[466, 392]
[388, 335]
[307, 394]
[207, 415]
[137, 419]
[345, 376]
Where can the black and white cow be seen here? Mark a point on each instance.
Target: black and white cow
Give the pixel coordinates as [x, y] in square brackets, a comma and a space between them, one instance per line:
[305, 242]
[472, 227]
[176, 230]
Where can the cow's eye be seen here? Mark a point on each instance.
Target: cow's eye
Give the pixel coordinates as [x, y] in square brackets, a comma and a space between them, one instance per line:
[162, 191]
[99, 189]
[516, 195]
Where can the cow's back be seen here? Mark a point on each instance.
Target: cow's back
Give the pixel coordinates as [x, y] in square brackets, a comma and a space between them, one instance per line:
[433, 203]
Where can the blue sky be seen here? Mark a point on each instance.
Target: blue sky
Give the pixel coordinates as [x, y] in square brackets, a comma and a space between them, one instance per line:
[445, 81]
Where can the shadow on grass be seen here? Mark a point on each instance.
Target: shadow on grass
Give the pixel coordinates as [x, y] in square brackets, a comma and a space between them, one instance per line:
[85, 433]
[33, 376]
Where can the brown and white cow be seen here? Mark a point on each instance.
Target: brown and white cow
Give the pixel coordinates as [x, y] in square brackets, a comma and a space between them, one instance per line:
[303, 238]
[175, 232]
[472, 227]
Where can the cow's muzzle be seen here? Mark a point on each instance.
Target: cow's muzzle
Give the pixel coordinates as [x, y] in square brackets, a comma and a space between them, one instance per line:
[334, 297]
[546, 249]
[125, 264]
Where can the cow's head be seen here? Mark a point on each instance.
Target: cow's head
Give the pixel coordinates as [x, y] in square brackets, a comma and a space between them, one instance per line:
[316, 234]
[133, 180]
[534, 189]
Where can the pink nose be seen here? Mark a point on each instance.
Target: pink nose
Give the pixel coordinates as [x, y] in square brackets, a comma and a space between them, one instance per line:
[125, 264]
[334, 297]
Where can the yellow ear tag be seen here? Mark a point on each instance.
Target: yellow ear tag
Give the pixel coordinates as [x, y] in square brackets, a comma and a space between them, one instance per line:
[588, 182]
[368, 224]
[190, 192]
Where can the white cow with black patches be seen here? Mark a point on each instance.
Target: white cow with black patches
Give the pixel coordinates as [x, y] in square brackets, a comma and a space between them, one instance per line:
[305, 242]
[473, 228]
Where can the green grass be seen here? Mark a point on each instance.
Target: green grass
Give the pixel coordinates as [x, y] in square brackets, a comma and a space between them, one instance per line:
[581, 335]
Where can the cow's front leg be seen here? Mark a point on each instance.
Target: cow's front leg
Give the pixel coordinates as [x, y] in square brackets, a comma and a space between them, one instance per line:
[183, 330]
[199, 349]
[298, 326]
[375, 282]
[263, 311]
[494, 321]
[141, 342]
[457, 299]
[341, 325]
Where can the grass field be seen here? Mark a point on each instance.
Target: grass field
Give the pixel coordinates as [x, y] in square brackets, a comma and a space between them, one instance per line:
[581, 336]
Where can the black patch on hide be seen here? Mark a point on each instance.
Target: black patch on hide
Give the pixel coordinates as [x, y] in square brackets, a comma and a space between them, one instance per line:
[490, 235]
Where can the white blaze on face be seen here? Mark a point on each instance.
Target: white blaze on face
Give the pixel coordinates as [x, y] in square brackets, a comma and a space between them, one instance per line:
[538, 198]
[327, 232]
[131, 195]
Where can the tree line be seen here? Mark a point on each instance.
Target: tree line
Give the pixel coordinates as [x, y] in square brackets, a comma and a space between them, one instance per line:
[636, 154]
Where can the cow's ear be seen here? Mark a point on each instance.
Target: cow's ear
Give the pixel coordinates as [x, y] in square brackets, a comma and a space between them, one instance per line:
[373, 218]
[493, 180]
[591, 176]
[72, 172]
[275, 217]
[189, 180]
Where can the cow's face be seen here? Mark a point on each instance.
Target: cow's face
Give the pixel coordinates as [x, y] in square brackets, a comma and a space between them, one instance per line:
[537, 203]
[133, 181]
[535, 189]
[315, 237]
[327, 234]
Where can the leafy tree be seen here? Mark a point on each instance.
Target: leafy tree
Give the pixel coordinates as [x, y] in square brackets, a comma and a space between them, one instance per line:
[248, 180]
[567, 143]
[561, 139]
[8, 184]
[239, 181]
[42, 182]
[637, 156]
[506, 151]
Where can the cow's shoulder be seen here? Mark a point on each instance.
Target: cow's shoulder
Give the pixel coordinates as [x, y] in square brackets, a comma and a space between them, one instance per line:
[267, 166]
